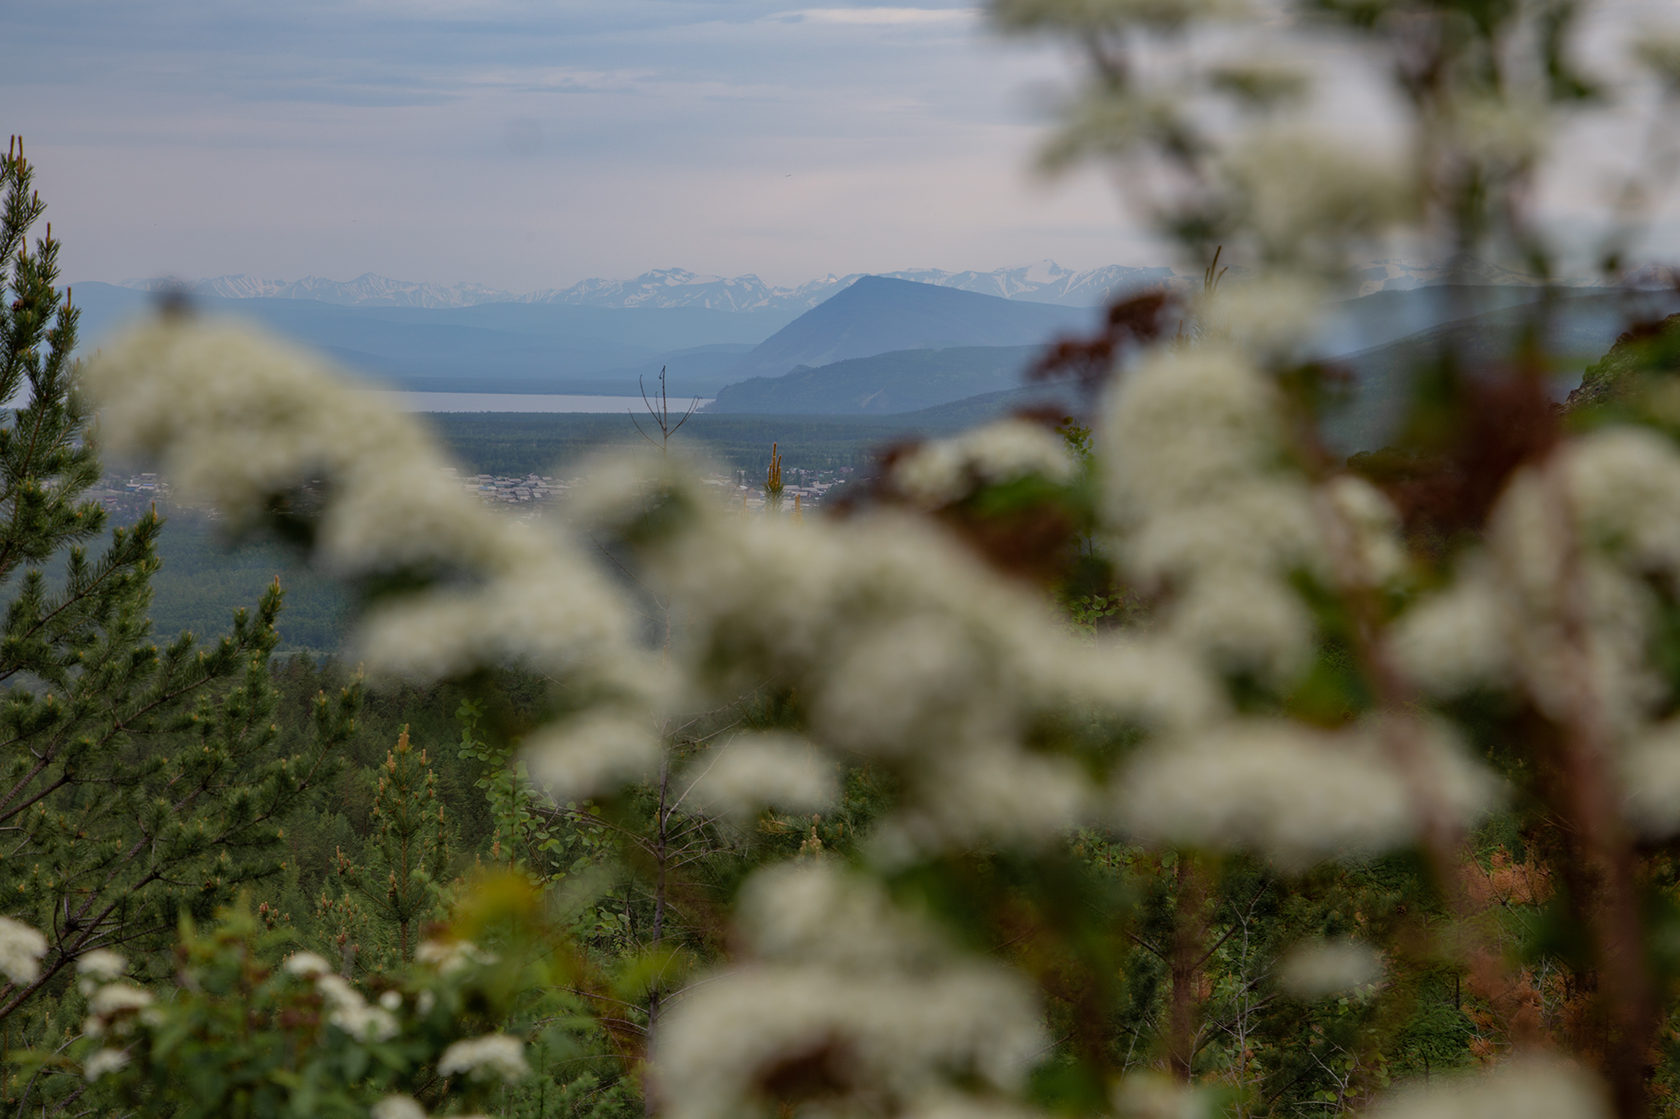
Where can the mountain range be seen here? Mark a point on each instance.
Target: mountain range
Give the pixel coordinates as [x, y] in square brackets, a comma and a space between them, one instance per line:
[1044, 282]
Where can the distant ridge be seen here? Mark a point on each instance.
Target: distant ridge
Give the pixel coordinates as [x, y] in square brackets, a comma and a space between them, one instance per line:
[1043, 282]
[886, 383]
[879, 314]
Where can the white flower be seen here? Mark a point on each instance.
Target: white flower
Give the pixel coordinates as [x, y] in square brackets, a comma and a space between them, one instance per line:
[103, 1061]
[1294, 794]
[1244, 623]
[1625, 485]
[98, 967]
[497, 1055]
[1533, 1087]
[1650, 780]
[449, 957]
[593, 753]
[1325, 968]
[1303, 193]
[101, 964]
[305, 965]
[116, 998]
[560, 615]
[350, 1012]
[397, 1107]
[1365, 527]
[750, 772]
[1146, 681]
[942, 470]
[1263, 524]
[1183, 426]
[1274, 315]
[21, 949]
[843, 970]
[1155, 1095]
[1458, 639]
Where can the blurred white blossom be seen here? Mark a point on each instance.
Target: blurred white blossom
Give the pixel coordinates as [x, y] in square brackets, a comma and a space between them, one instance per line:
[862, 994]
[352, 1013]
[1534, 1087]
[397, 1107]
[749, 772]
[493, 1055]
[449, 957]
[596, 752]
[1294, 794]
[103, 1062]
[21, 949]
[941, 471]
[1325, 968]
[305, 965]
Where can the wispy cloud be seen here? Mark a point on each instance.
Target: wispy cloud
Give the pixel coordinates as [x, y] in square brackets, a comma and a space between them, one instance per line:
[882, 16]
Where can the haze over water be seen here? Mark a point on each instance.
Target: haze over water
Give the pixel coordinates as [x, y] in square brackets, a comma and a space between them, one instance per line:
[519, 402]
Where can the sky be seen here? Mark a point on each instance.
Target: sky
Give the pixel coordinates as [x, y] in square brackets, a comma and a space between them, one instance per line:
[527, 144]
[530, 144]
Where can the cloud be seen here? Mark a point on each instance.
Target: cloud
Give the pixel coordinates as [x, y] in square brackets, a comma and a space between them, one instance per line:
[898, 17]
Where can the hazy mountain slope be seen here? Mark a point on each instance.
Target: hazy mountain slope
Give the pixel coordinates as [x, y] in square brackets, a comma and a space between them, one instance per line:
[1582, 327]
[1044, 282]
[490, 347]
[1381, 317]
[899, 381]
[877, 315]
[960, 415]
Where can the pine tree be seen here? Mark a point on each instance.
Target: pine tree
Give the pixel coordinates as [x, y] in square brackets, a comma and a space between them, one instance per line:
[393, 889]
[137, 782]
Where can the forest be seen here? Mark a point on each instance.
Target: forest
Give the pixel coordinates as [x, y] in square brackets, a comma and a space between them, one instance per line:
[1154, 760]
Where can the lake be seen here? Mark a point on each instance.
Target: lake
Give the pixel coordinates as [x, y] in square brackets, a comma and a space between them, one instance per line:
[526, 402]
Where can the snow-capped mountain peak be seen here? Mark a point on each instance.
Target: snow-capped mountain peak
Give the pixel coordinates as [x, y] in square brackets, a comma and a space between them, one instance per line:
[1042, 282]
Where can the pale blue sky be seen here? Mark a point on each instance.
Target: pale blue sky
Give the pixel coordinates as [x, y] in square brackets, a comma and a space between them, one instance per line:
[531, 143]
[526, 144]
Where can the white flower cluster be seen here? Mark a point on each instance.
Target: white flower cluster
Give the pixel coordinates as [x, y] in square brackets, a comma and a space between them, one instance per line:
[941, 471]
[1201, 501]
[1560, 605]
[1294, 794]
[235, 418]
[1274, 315]
[397, 1107]
[1303, 196]
[350, 1012]
[492, 1055]
[1156, 1095]
[113, 1008]
[450, 957]
[596, 752]
[99, 967]
[21, 949]
[102, 1063]
[1330, 967]
[1534, 1087]
[306, 965]
[751, 771]
[864, 995]
[906, 653]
